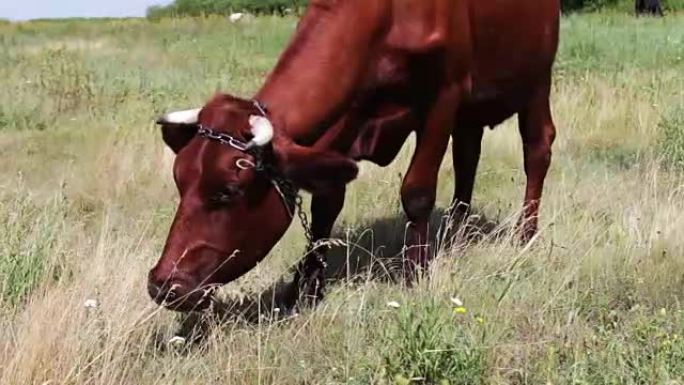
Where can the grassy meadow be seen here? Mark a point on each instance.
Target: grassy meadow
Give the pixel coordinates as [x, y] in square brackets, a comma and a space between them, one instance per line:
[86, 199]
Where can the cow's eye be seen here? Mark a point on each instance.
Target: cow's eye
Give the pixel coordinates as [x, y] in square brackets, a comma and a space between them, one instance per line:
[225, 195]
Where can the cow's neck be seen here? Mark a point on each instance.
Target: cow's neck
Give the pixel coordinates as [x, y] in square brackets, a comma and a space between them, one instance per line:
[323, 66]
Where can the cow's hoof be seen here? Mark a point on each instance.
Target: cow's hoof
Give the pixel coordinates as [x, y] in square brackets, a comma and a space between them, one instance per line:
[526, 231]
[311, 289]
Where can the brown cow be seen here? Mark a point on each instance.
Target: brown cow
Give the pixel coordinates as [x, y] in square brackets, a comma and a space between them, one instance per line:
[378, 70]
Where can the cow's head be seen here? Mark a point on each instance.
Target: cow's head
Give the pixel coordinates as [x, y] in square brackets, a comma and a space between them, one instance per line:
[230, 213]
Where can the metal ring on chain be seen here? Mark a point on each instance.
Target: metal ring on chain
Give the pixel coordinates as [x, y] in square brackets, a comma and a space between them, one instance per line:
[244, 164]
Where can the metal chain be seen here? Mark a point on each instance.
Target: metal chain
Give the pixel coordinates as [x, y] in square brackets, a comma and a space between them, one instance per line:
[292, 198]
[222, 138]
[304, 219]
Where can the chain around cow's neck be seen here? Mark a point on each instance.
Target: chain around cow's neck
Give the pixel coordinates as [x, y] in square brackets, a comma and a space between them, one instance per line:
[288, 191]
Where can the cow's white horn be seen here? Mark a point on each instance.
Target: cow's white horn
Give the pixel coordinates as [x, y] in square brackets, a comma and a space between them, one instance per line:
[262, 130]
[181, 117]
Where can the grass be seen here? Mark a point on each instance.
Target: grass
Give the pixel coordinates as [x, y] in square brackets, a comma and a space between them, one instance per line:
[86, 198]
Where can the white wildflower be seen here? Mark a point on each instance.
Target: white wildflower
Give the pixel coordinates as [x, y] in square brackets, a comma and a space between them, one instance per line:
[91, 304]
[456, 301]
[177, 341]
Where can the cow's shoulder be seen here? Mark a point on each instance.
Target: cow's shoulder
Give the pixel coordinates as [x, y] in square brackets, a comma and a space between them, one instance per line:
[423, 25]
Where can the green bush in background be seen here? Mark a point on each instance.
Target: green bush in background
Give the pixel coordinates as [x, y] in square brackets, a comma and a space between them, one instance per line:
[281, 7]
[573, 5]
[224, 7]
[622, 5]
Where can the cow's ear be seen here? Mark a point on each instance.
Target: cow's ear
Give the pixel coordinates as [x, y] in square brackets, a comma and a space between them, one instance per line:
[179, 127]
[315, 170]
[177, 136]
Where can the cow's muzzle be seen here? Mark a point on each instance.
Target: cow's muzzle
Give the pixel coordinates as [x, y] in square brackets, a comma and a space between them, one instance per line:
[179, 296]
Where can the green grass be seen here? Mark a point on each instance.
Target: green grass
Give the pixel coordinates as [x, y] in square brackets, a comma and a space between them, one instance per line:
[423, 342]
[28, 246]
[86, 199]
[671, 140]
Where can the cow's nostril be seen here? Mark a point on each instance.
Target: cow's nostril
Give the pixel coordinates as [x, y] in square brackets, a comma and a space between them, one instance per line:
[162, 293]
[155, 292]
[176, 294]
[170, 295]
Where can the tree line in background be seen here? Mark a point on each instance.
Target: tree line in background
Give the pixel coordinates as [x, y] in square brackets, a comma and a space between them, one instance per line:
[225, 7]
[282, 7]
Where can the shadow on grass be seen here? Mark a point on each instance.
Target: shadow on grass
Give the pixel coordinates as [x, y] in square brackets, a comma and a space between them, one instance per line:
[375, 253]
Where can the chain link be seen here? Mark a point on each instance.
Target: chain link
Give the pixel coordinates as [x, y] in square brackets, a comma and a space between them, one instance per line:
[304, 219]
[293, 201]
[223, 139]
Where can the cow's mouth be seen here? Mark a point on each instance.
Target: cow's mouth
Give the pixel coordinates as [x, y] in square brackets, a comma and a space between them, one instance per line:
[179, 298]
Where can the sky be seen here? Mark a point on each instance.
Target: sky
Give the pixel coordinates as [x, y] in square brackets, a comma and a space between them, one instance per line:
[33, 9]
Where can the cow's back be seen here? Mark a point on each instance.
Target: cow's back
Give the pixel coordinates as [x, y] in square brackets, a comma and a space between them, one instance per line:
[510, 49]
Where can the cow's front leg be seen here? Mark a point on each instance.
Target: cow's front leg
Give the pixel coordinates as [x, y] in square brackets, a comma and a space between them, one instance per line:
[310, 274]
[419, 188]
